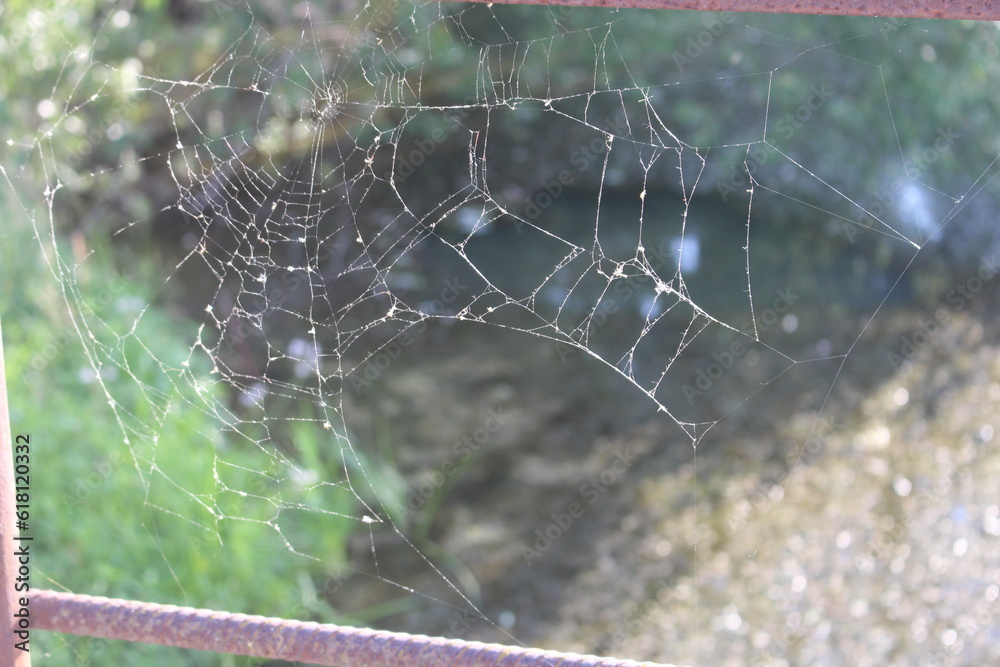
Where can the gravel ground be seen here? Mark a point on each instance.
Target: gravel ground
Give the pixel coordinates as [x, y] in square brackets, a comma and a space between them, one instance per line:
[857, 528]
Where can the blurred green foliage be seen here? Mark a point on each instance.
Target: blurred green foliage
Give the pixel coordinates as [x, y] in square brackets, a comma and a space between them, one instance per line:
[155, 519]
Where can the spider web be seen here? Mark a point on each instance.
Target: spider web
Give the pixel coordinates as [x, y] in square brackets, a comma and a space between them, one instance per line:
[355, 195]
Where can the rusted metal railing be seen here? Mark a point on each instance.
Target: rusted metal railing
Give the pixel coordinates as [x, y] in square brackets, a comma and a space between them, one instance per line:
[263, 637]
[986, 10]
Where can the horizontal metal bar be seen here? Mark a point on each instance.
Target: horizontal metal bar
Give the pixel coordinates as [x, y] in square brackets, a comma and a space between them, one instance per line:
[277, 638]
[986, 10]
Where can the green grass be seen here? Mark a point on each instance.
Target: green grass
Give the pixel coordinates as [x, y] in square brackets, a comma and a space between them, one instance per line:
[152, 500]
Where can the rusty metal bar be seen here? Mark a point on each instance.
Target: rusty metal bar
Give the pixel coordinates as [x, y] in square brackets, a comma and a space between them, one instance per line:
[986, 10]
[277, 638]
[9, 653]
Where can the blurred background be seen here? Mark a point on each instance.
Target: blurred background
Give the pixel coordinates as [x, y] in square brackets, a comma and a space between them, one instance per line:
[658, 335]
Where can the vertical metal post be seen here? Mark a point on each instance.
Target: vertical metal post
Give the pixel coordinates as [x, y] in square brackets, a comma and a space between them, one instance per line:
[9, 653]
